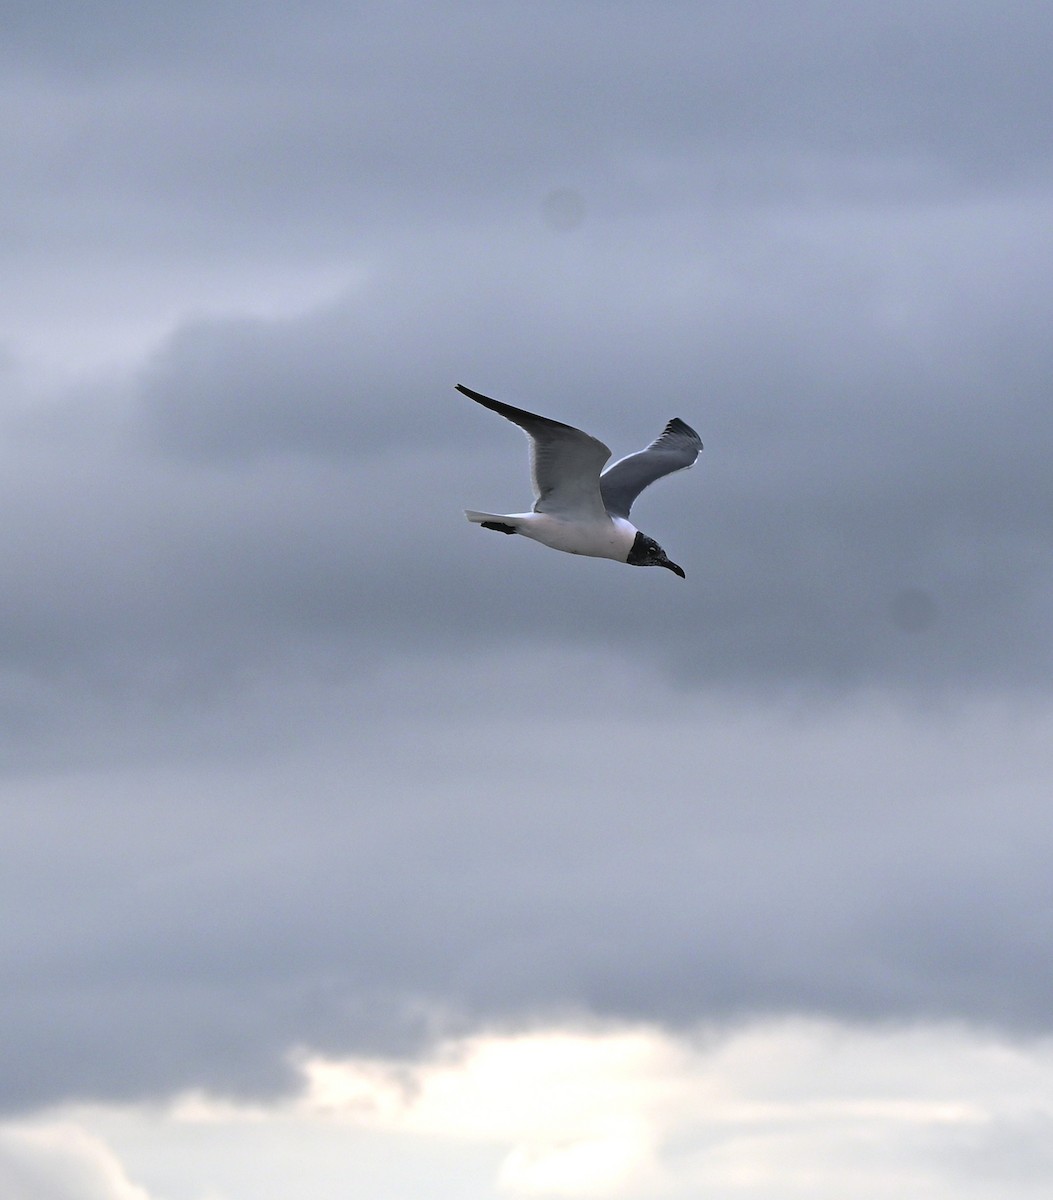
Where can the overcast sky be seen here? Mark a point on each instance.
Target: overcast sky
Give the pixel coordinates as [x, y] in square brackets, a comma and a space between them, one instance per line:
[298, 767]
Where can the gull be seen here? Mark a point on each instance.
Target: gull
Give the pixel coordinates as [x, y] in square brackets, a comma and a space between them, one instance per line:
[579, 507]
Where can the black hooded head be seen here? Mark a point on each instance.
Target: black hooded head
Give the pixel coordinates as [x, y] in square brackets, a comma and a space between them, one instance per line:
[646, 552]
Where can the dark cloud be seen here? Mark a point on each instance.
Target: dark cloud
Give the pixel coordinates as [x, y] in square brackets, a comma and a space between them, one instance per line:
[292, 754]
[220, 128]
[415, 865]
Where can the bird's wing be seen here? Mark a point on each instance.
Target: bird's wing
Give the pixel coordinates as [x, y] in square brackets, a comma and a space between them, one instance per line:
[676, 449]
[565, 463]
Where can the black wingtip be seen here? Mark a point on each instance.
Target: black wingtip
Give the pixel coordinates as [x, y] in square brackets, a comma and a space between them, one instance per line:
[681, 426]
[479, 398]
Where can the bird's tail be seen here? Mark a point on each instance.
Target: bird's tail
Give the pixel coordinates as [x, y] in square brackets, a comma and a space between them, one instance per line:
[502, 523]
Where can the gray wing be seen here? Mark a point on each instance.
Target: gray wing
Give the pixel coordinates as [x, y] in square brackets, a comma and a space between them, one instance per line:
[676, 448]
[565, 463]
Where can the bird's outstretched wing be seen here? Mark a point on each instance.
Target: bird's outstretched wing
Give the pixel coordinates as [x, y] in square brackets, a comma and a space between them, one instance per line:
[564, 461]
[676, 448]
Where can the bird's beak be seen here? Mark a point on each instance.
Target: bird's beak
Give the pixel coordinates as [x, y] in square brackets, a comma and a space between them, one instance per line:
[674, 568]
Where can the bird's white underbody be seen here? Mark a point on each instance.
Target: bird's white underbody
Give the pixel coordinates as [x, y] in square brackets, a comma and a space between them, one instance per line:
[612, 538]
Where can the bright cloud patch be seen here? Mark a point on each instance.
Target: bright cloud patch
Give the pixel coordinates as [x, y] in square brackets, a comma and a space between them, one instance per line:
[581, 1110]
[775, 1108]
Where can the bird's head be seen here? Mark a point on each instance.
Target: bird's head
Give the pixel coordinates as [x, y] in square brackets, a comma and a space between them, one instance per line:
[646, 552]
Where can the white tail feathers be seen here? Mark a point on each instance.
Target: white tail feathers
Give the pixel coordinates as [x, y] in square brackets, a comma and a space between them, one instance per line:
[498, 521]
[477, 518]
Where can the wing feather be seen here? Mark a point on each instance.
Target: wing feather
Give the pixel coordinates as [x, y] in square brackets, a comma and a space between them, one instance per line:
[675, 449]
[565, 463]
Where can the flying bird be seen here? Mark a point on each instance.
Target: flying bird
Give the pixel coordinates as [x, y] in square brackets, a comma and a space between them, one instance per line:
[581, 508]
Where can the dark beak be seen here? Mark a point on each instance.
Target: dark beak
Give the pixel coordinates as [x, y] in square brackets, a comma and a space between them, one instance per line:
[674, 568]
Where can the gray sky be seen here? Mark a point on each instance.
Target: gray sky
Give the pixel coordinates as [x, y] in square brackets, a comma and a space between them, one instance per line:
[294, 756]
